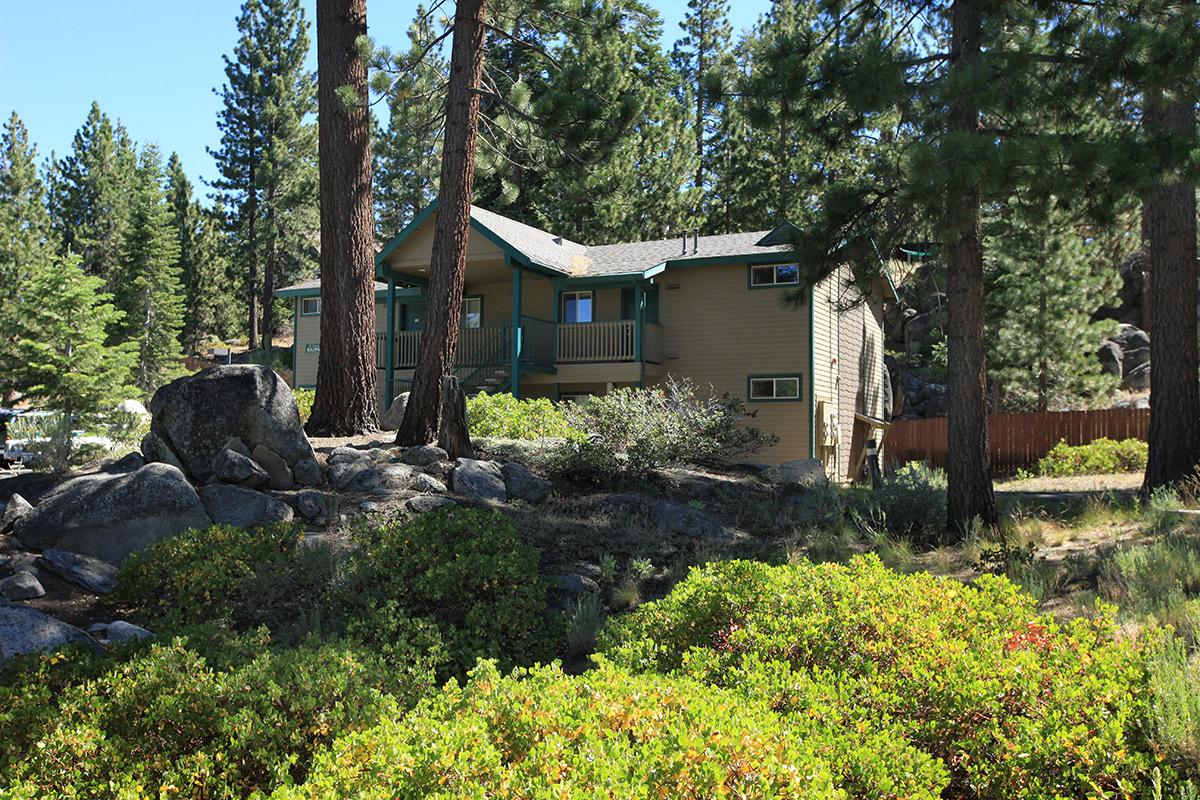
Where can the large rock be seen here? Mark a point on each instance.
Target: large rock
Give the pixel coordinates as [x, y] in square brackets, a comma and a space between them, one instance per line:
[1137, 379]
[92, 574]
[307, 472]
[359, 475]
[196, 416]
[21, 585]
[522, 484]
[231, 466]
[424, 503]
[242, 508]
[391, 419]
[275, 465]
[423, 455]
[15, 510]
[1111, 358]
[478, 480]
[111, 516]
[26, 630]
[798, 473]
[120, 632]
[683, 519]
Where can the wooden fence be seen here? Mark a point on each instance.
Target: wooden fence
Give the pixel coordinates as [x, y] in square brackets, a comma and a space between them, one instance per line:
[1015, 441]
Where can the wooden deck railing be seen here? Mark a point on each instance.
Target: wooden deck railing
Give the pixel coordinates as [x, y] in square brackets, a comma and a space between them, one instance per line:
[596, 341]
[577, 343]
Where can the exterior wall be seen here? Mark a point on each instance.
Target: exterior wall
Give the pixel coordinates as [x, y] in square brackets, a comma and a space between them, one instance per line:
[825, 353]
[719, 331]
[860, 377]
[308, 331]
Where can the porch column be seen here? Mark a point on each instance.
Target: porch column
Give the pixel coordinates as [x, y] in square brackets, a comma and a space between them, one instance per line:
[389, 348]
[639, 321]
[516, 329]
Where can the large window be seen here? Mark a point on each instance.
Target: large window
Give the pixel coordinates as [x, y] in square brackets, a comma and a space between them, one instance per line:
[472, 312]
[576, 307]
[775, 275]
[310, 306]
[774, 387]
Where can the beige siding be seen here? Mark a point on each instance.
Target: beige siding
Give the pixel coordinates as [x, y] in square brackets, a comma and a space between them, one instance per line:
[860, 375]
[308, 331]
[825, 348]
[719, 332]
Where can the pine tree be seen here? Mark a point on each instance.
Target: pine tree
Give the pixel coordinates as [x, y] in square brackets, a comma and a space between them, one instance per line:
[26, 238]
[1049, 283]
[267, 157]
[347, 401]
[151, 296]
[407, 150]
[62, 358]
[702, 58]
[90, 191]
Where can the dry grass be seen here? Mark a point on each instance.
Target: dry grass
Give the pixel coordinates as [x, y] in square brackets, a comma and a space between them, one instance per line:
[1121, 482]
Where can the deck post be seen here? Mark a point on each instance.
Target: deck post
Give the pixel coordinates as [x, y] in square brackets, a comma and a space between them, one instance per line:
[516, 328]
[389, 347]
[639, 321]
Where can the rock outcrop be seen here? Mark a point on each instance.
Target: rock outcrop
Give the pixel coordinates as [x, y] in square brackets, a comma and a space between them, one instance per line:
[27, 630]
[478, 480]
[111, 516]
[196, 416]
[242, 508]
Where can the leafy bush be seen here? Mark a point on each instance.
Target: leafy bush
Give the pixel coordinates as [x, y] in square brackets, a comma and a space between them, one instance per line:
[304, 402]
[82, 726]
[51, 439]
[911, 504]
[465, 571]
[223, 574]
[1100, 457]
[539, 733]
[1011, 702]
[632, 432]
[503, 416]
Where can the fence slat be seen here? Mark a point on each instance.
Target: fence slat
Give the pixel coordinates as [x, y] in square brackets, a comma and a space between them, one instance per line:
[1015, 441]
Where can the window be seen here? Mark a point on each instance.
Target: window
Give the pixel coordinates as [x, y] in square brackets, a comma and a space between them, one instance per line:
[310, 306]
[574, 398]
[774, 387]
[775, 275]
[472, 312]
[577, 307]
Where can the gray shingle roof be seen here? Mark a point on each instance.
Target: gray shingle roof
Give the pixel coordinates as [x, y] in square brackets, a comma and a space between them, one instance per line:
[315, 283]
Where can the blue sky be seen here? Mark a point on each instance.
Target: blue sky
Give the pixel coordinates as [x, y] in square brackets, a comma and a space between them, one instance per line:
[153, 64]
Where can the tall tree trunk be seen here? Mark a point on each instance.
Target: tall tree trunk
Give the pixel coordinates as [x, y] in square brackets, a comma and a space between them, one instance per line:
[447, 270]
[969, 492]
[252, 278]
[1170, 224]
[270, 268]
[346, 402]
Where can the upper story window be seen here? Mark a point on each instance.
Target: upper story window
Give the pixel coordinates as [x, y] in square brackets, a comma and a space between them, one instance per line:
[775, 275]
[472, 312]
[310, 306]
[577, 307]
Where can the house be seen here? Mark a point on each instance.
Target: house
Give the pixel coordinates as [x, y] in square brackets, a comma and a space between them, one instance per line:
[544, 316]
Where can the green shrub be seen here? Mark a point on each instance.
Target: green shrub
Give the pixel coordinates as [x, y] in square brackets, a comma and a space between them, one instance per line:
[1175, 708]
[1159, 581]
[1013, 703]
[167, 722]
[632, 432]
[1100, 457]
[304, 402]
[502, 416]
[223, 574]
[465, 571]
[542, 734]
[911, 504]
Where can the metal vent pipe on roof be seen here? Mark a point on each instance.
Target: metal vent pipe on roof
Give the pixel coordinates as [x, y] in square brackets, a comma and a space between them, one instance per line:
[695, 240]
[684, 251]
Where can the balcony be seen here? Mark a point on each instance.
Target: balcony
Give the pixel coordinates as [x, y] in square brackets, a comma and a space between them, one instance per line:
[543, 344]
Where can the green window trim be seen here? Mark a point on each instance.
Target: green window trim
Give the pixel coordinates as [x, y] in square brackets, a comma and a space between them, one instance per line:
[304, 301]
[775, 379]
[793, 273]
[463, 313]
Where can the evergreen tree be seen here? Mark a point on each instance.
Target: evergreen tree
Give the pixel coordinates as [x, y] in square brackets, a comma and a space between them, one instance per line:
[407, 150]
[702, 58]
[1050, 282]
[151, 297]
[26, 239]
[62, 358]
[267, 157]
[90, 191]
